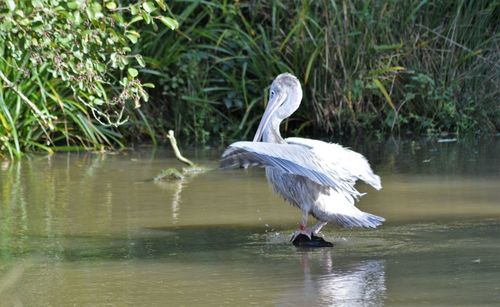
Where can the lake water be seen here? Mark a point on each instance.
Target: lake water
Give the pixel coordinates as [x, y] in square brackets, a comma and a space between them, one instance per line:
[93, 230]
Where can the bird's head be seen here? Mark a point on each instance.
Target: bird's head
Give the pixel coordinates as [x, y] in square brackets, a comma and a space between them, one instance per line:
[285, 95]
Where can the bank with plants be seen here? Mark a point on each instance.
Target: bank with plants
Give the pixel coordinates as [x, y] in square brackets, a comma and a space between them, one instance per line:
[106, 74]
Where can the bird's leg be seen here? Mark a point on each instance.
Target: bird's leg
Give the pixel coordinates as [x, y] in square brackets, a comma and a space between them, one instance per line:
[302, 227]
[303, 221]
[316, 228]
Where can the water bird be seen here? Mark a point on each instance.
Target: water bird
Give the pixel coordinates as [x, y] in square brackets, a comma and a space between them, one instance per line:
[315, 176]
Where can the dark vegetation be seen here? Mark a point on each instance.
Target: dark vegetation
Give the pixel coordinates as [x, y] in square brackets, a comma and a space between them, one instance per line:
[367, 68]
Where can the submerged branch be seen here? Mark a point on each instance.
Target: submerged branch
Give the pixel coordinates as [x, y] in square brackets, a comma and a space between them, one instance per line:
[178, 155]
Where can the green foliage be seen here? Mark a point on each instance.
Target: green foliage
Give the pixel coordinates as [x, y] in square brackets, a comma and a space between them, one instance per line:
[366, 66]
[73, 73]
[68, 74]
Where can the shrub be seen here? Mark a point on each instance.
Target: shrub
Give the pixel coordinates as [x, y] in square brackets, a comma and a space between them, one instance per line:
[68, 73]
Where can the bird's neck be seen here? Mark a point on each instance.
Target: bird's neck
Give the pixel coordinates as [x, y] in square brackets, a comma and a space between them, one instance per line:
[272, 134]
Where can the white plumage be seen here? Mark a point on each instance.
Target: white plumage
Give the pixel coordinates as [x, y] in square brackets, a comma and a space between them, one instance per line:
[349, 162]
[315, 176]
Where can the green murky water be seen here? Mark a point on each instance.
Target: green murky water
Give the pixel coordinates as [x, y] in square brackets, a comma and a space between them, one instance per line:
[87, 229]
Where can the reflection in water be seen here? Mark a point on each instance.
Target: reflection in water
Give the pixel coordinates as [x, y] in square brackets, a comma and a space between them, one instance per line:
[14, 274]
[327, 283]
[176, 200]
[177, 186]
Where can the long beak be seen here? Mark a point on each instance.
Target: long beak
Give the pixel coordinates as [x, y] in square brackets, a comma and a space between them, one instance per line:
[273, 105]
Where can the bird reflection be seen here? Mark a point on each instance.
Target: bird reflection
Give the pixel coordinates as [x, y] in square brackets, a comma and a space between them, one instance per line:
[338, 284]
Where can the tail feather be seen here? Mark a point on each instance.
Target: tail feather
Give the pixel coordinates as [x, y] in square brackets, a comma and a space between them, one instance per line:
[372, 180]
[363, 220]
[338, 208]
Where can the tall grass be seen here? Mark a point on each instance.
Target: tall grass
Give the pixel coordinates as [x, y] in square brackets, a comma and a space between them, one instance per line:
[424, 67]
[61, 123]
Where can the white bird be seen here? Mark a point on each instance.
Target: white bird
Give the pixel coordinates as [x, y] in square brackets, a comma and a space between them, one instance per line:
[315, 176]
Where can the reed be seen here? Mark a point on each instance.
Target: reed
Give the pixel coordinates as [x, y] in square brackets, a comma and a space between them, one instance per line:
[379, 67]
[61, 123]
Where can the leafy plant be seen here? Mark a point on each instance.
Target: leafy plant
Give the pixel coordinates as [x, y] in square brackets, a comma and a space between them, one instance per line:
[68, 73]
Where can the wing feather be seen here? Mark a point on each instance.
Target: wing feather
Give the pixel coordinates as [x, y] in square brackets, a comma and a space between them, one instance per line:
[346, 162]
[290, 158]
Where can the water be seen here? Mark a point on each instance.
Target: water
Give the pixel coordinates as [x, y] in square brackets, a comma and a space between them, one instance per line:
[91, 229]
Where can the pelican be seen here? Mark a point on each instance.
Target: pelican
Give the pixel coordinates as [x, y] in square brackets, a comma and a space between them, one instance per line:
[315, 176]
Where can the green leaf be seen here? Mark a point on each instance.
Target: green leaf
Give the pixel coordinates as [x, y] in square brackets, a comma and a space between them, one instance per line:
[111, 5]
[133, 36]
[73, 5]
[169, 22]
[140, 60]
[148, 85]
[384, 93]
[135, 19]
[134, 9]
[132, 72]
[388, 47]
[155, 26]
[11, 4]
[144, 95]
[147, 17]
[96, 7]
[148, 6]
[37, 3]
[98, 101]
[161, 4]
[123, 61]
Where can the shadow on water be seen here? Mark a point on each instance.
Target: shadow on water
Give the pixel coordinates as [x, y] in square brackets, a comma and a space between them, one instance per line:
[180, 244]
[213, 243]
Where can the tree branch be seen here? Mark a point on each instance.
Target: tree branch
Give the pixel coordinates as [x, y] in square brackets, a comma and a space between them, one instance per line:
[178, 155]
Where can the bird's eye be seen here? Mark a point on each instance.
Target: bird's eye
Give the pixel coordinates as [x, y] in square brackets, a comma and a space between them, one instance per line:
[272, 93]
